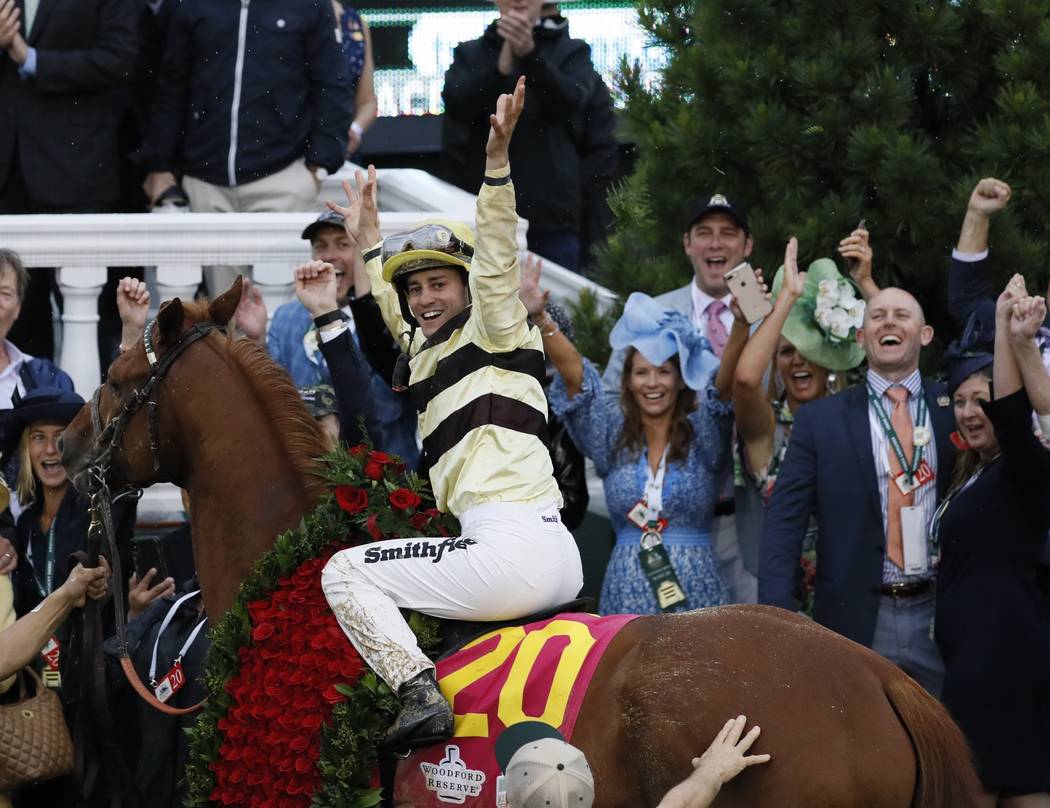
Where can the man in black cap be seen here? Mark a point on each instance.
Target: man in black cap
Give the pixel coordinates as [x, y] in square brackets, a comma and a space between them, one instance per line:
[716, 237]
[294, 339]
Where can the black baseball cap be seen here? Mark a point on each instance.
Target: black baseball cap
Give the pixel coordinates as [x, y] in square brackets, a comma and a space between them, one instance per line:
[718, 203]
[328, 218]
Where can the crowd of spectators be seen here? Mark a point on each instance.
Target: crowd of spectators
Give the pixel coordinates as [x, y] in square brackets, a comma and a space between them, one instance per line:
[800, 460]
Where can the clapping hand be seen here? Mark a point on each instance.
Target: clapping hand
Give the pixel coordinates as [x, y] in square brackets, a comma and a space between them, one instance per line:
[529, 292]
[361, 213]
[516, 29]
[1026, 318]
[9, 23]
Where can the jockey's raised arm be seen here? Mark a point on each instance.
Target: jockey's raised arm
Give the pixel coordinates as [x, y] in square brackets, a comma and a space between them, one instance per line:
[474, 370]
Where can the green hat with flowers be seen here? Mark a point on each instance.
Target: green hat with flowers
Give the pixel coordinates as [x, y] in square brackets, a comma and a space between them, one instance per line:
[823, 322]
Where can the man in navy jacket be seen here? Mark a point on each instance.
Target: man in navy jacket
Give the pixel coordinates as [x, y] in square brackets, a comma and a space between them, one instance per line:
[253, 104]
[837, 468]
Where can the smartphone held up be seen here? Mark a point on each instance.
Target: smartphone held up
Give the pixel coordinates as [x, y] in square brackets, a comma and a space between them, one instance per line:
[748, 292]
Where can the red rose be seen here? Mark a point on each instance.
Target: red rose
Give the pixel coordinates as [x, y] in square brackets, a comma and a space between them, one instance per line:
[351, 498]
[419, 521]
[262, 631]
[373, 470]
[359, 450]
[402, 499]
[379, 457]
[373, 527]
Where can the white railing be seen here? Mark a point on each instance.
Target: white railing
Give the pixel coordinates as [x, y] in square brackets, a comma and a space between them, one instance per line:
[179, 245]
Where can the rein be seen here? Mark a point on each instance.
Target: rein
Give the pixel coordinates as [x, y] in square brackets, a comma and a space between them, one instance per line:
[100, 531]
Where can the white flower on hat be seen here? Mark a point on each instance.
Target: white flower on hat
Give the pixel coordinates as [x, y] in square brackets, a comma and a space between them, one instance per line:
[838, 311]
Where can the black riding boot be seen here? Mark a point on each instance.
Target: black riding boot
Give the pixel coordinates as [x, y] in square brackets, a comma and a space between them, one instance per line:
[425, 716]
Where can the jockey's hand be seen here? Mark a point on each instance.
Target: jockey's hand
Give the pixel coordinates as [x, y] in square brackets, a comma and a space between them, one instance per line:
[502, 124]
[141, 594]
[250, 315]
[316, 287]
[361, 212]
[133, 306]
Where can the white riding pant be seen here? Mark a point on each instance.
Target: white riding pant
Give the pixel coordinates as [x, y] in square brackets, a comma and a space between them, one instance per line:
[512, 560]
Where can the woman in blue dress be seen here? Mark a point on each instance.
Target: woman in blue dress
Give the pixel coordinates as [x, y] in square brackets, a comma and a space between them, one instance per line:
[672, 425]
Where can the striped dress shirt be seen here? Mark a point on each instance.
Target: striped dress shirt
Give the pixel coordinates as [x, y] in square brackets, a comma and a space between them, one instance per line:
[925, 496]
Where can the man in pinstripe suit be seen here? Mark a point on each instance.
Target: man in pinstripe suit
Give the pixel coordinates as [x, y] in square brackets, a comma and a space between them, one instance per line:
[874, 582]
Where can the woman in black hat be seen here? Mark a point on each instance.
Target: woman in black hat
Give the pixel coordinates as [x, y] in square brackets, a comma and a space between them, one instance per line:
[993, 606]
[54, 523]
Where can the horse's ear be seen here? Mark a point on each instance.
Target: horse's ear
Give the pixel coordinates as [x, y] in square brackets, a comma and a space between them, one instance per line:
[169, 321]
[221, 309]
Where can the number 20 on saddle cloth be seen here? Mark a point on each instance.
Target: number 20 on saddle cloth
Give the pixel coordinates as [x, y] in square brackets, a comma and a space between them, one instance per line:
[536, 672]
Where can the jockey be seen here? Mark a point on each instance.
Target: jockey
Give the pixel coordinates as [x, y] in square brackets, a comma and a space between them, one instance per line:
[475, 377]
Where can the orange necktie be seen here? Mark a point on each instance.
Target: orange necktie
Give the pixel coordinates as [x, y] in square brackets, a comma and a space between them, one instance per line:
[900, 418]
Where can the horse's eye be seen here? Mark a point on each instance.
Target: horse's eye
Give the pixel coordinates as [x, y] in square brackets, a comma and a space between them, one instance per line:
[114, 387]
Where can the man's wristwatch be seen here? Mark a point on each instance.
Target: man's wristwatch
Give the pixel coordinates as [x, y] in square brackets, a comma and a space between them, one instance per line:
[334, 316]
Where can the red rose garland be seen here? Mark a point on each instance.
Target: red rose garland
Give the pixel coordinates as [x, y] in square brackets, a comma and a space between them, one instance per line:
[287, 725]
[282, 695]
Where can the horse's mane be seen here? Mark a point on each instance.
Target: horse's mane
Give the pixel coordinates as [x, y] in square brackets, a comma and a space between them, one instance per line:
[301, 436]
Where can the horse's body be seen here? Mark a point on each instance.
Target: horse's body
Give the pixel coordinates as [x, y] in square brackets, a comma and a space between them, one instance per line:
[843, 725]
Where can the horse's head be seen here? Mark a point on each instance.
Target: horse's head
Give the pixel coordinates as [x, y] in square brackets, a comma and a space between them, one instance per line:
[120, 429]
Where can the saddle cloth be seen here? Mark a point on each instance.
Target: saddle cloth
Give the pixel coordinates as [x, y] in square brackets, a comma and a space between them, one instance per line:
[536, 672]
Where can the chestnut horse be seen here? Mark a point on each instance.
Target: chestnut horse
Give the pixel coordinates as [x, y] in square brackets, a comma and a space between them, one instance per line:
[844, 726]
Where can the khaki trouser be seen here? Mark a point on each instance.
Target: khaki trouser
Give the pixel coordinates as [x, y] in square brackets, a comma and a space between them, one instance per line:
[293, 188]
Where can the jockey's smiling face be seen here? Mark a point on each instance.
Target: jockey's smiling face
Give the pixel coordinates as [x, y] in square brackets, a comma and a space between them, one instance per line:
[435, 296]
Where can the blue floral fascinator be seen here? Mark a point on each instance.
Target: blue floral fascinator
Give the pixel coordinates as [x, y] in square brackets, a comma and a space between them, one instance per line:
[658, 334]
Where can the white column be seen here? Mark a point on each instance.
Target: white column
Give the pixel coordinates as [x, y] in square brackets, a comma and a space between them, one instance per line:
[80, 290]
[275, 284]
[177, 281]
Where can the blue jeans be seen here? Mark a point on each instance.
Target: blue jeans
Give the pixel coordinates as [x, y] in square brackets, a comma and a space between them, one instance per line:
[902, 635]
[561, 248]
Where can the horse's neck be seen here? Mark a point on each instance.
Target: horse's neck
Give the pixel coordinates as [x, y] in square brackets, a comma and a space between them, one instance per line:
[240, 502]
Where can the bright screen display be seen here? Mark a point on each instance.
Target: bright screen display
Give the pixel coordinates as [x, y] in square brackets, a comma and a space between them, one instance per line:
[413, 42]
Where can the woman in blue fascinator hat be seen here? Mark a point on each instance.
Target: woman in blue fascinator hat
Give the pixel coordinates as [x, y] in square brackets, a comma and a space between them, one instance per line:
[661, 448]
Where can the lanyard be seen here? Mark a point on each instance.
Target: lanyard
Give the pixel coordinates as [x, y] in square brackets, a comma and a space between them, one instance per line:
[891, 433]
[654, 489]
[164, 625]
[49, 562]
[935, 524]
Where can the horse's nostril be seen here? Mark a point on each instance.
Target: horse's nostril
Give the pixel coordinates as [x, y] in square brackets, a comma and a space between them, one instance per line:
[60, 443]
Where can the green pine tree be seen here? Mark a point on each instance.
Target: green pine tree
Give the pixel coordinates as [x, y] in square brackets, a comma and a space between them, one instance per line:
[818, 113]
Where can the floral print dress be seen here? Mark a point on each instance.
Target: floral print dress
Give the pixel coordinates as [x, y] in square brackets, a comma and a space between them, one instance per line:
[690, 493]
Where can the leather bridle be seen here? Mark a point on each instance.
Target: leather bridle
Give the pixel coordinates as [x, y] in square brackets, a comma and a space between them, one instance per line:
[107, 441]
